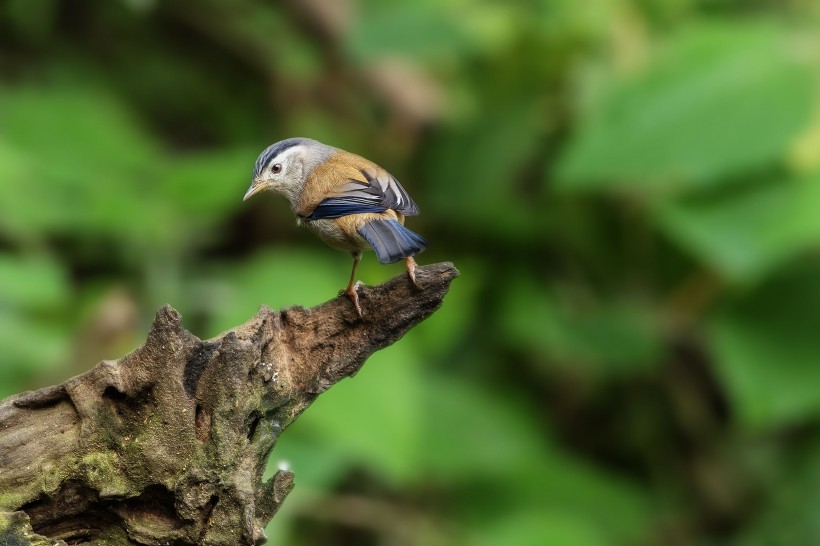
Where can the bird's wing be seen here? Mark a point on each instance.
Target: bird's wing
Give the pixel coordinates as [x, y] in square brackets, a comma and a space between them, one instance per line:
[377, 192]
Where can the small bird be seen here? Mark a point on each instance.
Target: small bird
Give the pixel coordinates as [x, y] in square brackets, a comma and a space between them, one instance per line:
[349, 202]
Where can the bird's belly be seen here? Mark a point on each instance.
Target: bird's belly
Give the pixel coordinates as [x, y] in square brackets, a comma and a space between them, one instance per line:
[329, 232]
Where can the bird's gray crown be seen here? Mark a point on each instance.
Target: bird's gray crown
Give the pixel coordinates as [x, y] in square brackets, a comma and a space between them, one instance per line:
[272, 151]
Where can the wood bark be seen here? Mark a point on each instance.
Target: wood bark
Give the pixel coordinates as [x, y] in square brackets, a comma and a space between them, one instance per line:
[168, 444]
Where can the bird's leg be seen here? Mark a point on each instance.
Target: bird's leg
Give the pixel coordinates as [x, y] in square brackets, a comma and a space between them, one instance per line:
[352, 286]
[411, 270]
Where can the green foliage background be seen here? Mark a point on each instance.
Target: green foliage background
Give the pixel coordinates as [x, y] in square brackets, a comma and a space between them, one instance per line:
[631, 189]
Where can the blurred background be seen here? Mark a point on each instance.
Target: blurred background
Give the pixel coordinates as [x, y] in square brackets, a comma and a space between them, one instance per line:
[630, 188]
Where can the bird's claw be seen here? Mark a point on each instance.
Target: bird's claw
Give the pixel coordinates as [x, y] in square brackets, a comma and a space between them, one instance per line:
[353, 294]
[411, 271]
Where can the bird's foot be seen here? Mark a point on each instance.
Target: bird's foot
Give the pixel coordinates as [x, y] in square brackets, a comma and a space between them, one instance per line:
[353, 294]
[411, 270]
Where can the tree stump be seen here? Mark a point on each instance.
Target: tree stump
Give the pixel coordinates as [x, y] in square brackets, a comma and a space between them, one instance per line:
[168, 444]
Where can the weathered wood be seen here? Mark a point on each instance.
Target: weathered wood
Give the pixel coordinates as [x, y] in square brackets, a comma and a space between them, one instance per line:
[168, 444]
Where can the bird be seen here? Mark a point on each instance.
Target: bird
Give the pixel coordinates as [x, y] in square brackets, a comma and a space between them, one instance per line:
[349, 202]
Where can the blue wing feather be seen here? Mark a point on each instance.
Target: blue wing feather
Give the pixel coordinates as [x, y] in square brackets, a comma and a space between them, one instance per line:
[377, 193]
[336, 207]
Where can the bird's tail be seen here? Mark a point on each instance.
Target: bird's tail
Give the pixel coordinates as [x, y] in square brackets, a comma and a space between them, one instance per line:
[391, 240]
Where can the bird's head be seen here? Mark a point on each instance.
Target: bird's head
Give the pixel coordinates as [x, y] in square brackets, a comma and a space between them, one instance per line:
[284, 166]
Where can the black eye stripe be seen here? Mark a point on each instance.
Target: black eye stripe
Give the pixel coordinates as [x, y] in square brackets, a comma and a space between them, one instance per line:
[271, 152]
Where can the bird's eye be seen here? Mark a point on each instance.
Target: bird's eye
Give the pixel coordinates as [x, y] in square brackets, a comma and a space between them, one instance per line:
[276, 169]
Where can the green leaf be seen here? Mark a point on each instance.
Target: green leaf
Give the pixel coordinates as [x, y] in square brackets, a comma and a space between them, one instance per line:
[413, 426]
[749, 232]
[421, 30]
[19, 210]
[788, 514]
[34, 20]
[766, 347]
[88, 167]
[555, 527]
[450, 325]
[28, 347]
[35, 284]
[205, 188]
[373, 419]
[607, 337]
[461, 418]
[75, 127]
[719, 99]
[278, 278]
[471, 175]
[488, 439]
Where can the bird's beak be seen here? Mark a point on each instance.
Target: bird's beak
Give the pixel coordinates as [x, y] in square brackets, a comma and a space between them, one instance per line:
[257, 185]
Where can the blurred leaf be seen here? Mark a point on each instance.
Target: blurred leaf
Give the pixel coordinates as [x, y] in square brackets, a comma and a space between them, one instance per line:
[282, 277]
[34, 19]
[34, 284]
[32, 289]
[610, 506]
[475, 433]
[416, 427]
[323, 128]
[29, 347]
[766, 346]
[421, 30]
[17, 173]
[450, 325]
[570, 20]
[204, 188]
[719, 100]
[538, 528]
[489, 440]
[804, 155]
[75, 127]
[88, 167]
[471, 176]
[491, 27]
[789, 514]
[373, 418]
[745, 235]
[609, 337]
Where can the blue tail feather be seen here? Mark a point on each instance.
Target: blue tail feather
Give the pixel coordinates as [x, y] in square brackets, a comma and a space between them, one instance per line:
[391, 240]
